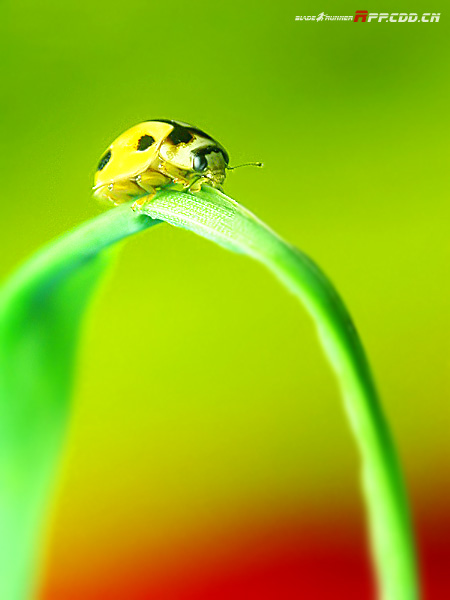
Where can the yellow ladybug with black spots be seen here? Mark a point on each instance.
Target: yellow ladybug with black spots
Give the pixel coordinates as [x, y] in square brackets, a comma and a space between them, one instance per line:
[156, 153]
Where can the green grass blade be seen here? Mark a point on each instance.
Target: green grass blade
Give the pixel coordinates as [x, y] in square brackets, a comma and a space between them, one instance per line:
[219, 218]
[41, 307]
[51, 292]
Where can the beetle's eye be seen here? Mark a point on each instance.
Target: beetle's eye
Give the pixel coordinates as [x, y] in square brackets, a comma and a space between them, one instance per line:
[200, 163]
[104, 161]
[145, 142]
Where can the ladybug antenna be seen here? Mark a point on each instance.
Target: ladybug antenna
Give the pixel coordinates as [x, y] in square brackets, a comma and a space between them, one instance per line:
[251, 164]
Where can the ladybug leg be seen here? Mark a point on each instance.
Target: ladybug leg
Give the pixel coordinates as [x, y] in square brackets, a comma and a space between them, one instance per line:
[149, 182]
[196, 185]
[118, 191]
[175, 174]
[143, 200]
[151, 179]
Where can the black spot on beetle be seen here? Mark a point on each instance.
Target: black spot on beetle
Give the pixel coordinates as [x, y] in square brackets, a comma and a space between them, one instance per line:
[104, 161]
[180, 135]
[145, 142]
[193, 130]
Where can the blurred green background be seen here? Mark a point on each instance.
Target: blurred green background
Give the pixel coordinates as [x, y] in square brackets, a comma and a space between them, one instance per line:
[204, 405]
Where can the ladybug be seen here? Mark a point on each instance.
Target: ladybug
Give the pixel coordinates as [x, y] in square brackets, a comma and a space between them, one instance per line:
[157, 153]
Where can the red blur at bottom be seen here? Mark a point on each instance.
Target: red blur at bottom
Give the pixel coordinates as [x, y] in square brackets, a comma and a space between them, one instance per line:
[283, 564]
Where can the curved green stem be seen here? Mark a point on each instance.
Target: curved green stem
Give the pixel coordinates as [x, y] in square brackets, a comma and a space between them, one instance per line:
[219, 218]
[41, 307]
[40, 310]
